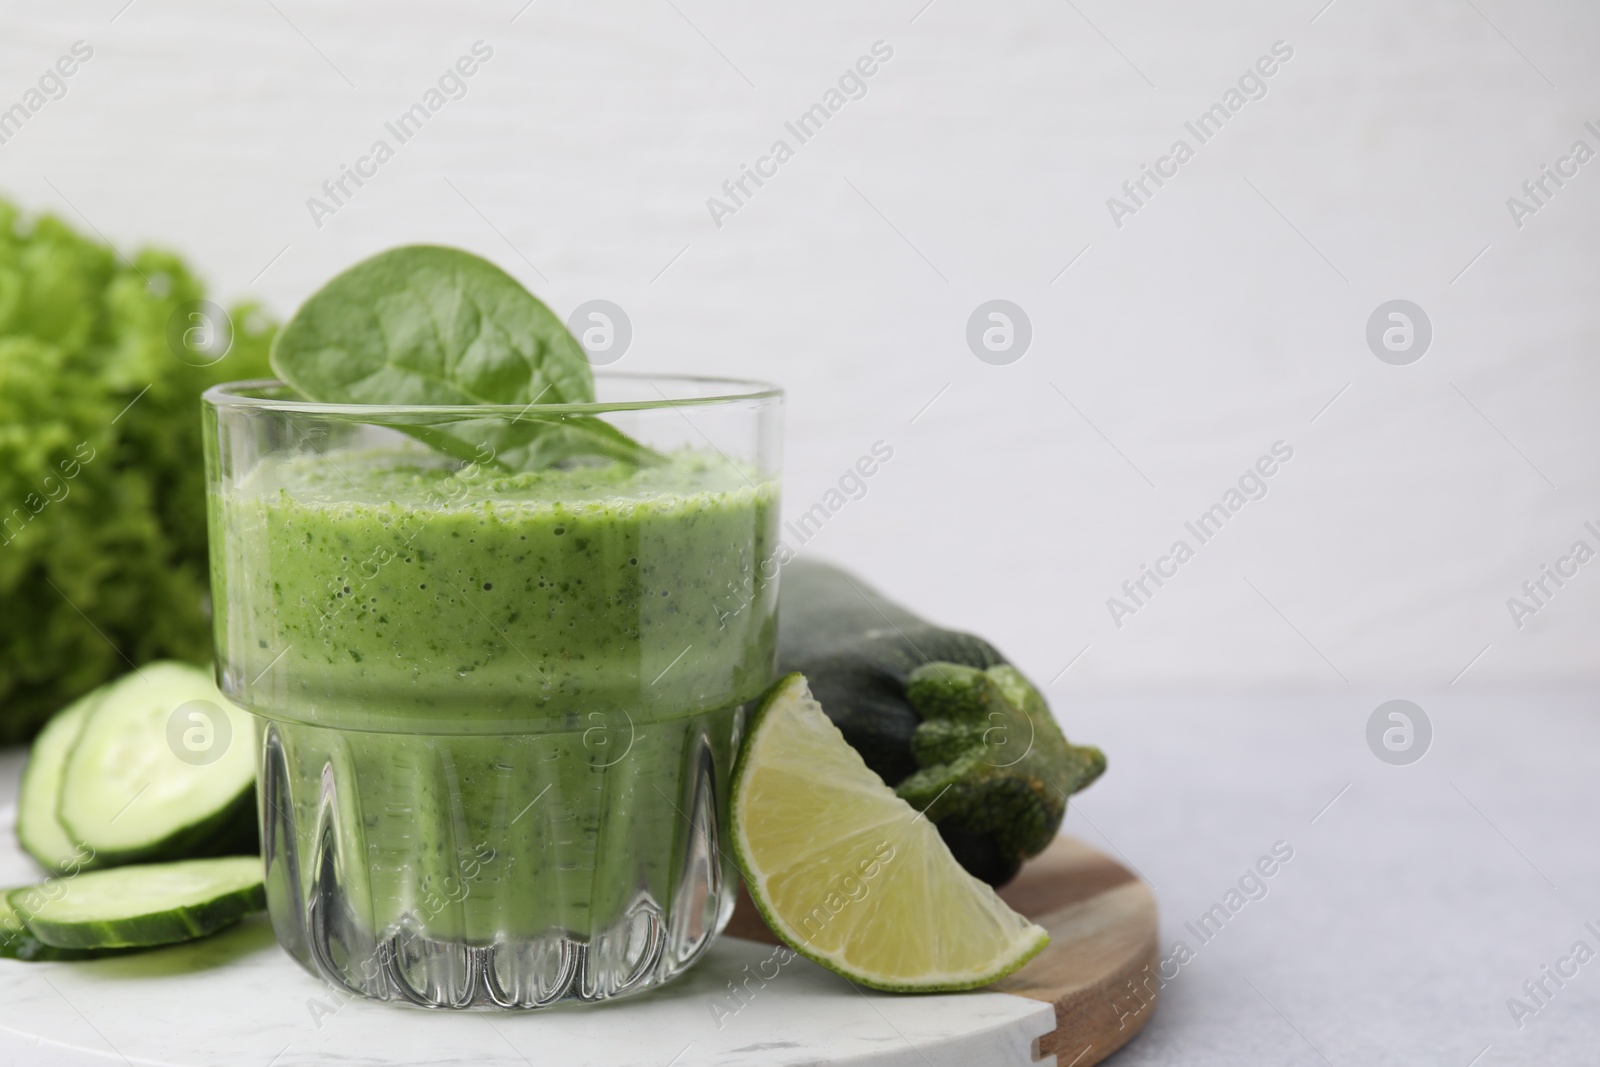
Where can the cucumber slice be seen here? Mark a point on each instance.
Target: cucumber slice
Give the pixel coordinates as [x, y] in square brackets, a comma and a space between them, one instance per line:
[129, 793]
[143, 905]
[38, 828]
[17, 943]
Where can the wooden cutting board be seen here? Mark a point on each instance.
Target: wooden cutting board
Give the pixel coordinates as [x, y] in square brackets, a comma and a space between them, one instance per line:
[1103, 935]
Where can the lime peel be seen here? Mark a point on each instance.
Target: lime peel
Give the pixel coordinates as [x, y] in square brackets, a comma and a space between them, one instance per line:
[851, 876]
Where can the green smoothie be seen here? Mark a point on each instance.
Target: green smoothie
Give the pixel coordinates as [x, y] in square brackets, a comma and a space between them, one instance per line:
[497, 706]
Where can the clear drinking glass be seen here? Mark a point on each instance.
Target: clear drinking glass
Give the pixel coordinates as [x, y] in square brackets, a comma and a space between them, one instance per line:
[496, 711]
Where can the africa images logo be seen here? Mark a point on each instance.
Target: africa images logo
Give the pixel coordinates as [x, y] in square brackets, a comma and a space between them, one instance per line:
[451, 85]
[852, 85]
[1252, 85]
[1252, 485]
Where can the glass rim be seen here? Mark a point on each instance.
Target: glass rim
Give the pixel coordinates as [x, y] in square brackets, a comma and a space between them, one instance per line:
[715, 390]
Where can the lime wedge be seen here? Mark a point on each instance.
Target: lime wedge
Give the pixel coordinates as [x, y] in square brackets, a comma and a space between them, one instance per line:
[850, 875]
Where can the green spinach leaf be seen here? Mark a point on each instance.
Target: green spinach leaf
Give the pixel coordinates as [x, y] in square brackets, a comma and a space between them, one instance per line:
[422, 324]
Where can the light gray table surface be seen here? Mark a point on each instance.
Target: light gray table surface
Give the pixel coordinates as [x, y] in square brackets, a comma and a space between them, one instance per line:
[1418, 900]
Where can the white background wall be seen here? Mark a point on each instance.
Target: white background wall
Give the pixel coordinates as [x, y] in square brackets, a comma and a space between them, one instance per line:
[1224, 316]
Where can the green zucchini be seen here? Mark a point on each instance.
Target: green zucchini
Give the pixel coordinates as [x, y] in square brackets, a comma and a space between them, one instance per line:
[130, 791]
[939, 714]
[38, 829]
[141, 905]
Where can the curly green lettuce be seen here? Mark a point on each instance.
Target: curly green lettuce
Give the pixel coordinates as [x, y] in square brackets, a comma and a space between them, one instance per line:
[102, 480]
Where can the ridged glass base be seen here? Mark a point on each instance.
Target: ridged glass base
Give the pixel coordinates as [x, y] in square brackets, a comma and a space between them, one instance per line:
[509, 871]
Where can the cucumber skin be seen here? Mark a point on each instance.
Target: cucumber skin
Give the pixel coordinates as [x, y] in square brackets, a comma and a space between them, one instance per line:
[857, 648]
[30, 949]
[233, 831]
[161, 928]
[81, 709]
[16, 943]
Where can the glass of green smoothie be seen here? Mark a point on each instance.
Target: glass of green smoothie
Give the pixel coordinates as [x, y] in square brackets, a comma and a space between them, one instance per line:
[497, 703]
